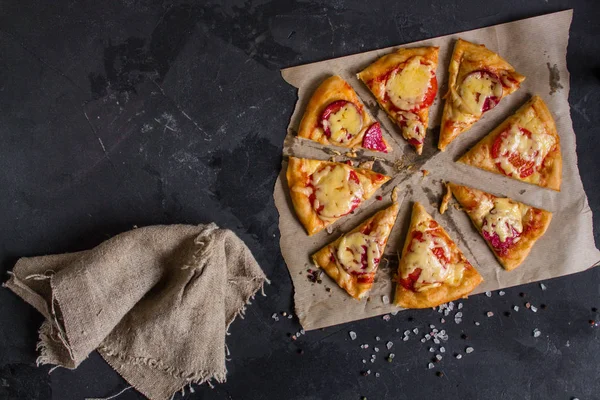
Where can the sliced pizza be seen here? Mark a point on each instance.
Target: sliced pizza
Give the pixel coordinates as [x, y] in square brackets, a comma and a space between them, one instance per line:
[323, 191]
[432, 270]
[335, 116]
[353, 259]
[525, 147]
[510, 228]
[478, 79]
[404, 84]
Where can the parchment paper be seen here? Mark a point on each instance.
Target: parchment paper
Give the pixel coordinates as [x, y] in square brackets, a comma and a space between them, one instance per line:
[537, 48]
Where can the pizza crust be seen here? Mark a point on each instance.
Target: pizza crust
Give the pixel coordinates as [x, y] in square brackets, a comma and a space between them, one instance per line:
[332, 89]
[466, 58]
[535, 223]
[349, 282]
[298, 175]
[387, 63]
[433, 297]
[549, 176]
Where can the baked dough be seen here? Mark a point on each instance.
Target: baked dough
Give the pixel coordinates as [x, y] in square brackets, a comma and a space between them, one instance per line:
[478, 79]
[353, 259]
[509, 228]
[525, 147]
[323, 191]
[353, 126]
[405, 85]
[432, 270]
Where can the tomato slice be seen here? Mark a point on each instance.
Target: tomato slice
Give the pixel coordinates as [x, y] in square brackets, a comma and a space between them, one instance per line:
[499, 246]
[409, 282]
[430, 95]
[373, 139]
[525, 168]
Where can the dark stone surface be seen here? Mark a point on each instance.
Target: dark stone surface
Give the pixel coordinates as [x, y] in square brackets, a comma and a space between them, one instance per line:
[122, 113]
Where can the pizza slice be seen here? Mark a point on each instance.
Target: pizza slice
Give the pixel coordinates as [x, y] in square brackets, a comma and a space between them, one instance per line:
[404, 84]
[510, 228]
[478, 79]
[353, 259]
[335, 116]
[525, 147]
[323, 191]
[432, 270]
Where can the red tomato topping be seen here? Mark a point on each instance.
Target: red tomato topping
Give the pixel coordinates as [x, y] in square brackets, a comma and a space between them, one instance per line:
[501, 247]
[430, 95]
[331, 109]
[373, 139]
[409, 282]
[524, 167]
[366, 278]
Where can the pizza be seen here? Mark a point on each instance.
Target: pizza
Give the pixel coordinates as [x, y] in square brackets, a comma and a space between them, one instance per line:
[323, 191]
[432, 270]
[478, 79]
[405, 85]
[335, 116]
[352, 260]
[525, 147]
[509, 228]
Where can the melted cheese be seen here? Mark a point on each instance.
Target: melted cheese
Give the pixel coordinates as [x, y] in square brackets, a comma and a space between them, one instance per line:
[433, 271]
[503, 218]
[476, 88]
[335, 191]
[407, 87]
[344, 124]
[532, 149]
[351, 253]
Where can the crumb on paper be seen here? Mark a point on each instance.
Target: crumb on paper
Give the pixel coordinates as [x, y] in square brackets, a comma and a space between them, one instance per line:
[445, 199]
[351, 154]
[395, 194]
[366, 164]
[456, 206]
[424, 172]
[329, 229]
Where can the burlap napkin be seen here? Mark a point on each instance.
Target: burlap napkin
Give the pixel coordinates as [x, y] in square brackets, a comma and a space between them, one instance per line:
[156, 303]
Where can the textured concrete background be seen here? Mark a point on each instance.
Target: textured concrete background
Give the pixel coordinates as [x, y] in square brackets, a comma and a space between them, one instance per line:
[122, 113]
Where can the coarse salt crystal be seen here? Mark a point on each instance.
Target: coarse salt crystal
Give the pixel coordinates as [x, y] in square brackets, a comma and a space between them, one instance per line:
[536, 332]
[416, 330]
[458, 356]
[543, 286]
[392, 355]
[460, 306]
[430, 366]
[302, 331]
[422, 340]
[431, 350]
[397, 329]
[376, 349]
[502, 293]
[385, 299]
[386, 317]
[377, 375]
[442, 320]
[458, 314]
[431, 326]
[352, 335]
[488, 294]
[436, 341]
[377, 338]
[516, 308]
[477, 323]
[442, 349]
[428, 336]
[395, 312]
[469, 350]
[534, 308]
[406, 332]
[364, 361]
[389, 345]
[490, 314]
[438, 357]
[405, 338]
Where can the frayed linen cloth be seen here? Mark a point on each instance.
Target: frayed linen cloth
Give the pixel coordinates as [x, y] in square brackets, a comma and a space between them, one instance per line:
[155, 302]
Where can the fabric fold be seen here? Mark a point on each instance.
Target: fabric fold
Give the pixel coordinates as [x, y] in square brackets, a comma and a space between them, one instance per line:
[156, 303]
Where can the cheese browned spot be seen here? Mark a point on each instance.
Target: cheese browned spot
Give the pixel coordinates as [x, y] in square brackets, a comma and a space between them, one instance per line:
[335, 191]
[503, 219]
[433, 271]
[358, 253]
[407, 87]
